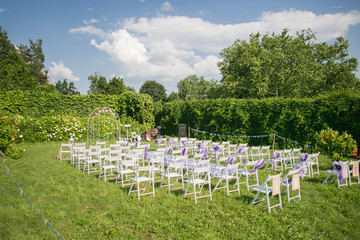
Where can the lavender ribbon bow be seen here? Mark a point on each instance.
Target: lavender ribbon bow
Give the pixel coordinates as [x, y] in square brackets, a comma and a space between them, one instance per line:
[205, 154]
[200, 145]
[275, 155]
[136, 144]
[338, 166]
[230, 160]
[184, 151]
[241, 150]
[146, 154]
[258, 164]
[171, 141]
[303, 157]
[185, 143]
[125, 143]
[159, 141]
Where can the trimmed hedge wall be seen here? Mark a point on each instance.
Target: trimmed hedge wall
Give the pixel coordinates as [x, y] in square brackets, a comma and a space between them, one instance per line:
[38, 104]
[296, 119]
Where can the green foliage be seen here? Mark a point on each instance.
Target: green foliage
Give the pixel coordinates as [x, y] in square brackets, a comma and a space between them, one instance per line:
[21, 68]
[192, 87]
[63, 87]
[285, 66]
[335, 145]
[155, 90]
[296, 119]
[41, 103]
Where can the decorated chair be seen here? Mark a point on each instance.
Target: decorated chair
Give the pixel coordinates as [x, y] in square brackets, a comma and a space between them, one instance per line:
[354, 172]
[93, 160]
[226, 172]
[275, 161]
[247, 173]
[291, 181]
[200, 177]
[270, 185]
[339, 172]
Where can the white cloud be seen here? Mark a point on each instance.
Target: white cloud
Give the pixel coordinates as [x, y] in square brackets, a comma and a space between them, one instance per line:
[91, 21]
[59, 72]
[166, 6]
[173, 47]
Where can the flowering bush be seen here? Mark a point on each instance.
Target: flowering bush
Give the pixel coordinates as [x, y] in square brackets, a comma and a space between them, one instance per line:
[336, 146]
[9, 133]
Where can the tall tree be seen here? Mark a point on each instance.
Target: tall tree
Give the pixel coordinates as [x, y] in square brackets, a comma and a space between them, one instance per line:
[192, 87]
[66, 88]
[14, 73]
[286, 66]
[98, 84]
[116, 86]
[154, 89]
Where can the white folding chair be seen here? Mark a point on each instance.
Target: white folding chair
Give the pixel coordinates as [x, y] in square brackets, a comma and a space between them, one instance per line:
[314, 161]
[143, 175]
[266, 189]
[296, 153]
[65, 152]
[340, 172]
[226, 172]
[173, 170]
[265, 153]
[199, 178]
[245, 171]
[354, 172]
[93, 160]
[255, 153]
[287, 158]
[276, 161]
[126, 169]
[292, 179]
[108, 163]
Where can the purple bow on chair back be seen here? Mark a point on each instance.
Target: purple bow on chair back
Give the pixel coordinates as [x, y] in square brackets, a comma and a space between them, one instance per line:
[230, 160]
[171, 141]
[258, 164]
[200, 145]
[184, 151]
[275, 155]
[338, 166]
[185, 143]
[125, 143]
[303, 157]
[241, 150]
[159, 141]
[146, 154]
[136, 144]
[205, 155]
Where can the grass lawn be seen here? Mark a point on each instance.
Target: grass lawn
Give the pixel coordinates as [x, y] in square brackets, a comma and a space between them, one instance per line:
[85, 207]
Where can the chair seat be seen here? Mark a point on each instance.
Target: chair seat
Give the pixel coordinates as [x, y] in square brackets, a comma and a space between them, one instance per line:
[108, 166]
[171, 175]
[261, 189]
[198, 181]
[140, 179]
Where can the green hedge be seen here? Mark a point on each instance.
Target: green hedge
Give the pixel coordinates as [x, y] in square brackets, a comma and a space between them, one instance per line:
[296, 119]
[39, 103]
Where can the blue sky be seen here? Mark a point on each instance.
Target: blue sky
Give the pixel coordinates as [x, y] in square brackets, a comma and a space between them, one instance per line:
[165, 41]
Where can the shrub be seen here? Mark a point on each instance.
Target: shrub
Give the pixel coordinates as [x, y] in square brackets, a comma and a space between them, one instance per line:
[335, 145]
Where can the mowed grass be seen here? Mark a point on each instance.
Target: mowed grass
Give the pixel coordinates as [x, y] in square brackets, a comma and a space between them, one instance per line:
[84, 207]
